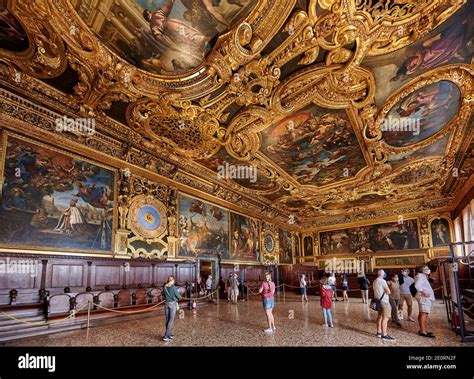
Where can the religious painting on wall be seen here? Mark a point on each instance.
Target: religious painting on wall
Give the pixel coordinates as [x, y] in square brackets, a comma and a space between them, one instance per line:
[440, 232]
[203, 228]
[391, 236]
[314, 146]
[244, 237]
[286, 246]
[450, 43]
[297, 246]
[164, 36]
[421, 114]
[12, 35]
[53, 200]
[308, 246]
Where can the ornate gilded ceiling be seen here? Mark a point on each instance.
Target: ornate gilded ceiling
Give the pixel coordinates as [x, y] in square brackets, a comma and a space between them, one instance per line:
[345, 109]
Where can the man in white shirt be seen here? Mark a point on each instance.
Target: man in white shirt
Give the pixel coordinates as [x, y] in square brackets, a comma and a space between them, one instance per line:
[381, 292]
[425, 298]
[405, 294]
[209, 288]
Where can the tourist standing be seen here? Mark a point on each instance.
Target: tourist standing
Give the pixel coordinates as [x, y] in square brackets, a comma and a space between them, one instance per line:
[345, 288]
[325, 293]
[234, 289]
[209, 288]
[228, 286]
[425, 298]
[364, 288]
[405, 294]
[303, 290]
[171, 295]
[332, 283]
[382, 292]
[267, 290]
[394, 297]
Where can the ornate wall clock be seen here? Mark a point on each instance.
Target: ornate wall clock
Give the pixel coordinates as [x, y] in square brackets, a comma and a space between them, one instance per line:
[147, 217]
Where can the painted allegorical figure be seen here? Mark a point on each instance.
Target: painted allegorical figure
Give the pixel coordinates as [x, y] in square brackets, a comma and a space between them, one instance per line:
[434, 52]
[72, 220]
[179, 40]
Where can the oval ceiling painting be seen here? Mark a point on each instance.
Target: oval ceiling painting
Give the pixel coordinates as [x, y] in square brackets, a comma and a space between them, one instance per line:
[164, 37]
[421, 114]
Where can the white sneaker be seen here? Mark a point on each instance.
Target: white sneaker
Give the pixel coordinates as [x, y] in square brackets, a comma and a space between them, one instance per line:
[269, 330]
[410, 319]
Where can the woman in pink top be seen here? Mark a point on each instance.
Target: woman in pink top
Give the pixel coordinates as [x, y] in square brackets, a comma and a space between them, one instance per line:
[267, 289]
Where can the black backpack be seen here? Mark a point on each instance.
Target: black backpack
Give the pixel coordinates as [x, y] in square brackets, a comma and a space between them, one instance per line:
[413, 289]
[400, 279]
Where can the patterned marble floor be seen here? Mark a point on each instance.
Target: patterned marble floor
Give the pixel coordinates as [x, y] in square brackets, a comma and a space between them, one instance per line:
[298, 324]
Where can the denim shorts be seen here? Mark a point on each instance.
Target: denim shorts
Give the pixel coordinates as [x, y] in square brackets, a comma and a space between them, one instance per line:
[268, 303]
[303, 290]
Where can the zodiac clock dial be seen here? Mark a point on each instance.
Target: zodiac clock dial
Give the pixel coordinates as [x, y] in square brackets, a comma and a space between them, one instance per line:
[147, 217]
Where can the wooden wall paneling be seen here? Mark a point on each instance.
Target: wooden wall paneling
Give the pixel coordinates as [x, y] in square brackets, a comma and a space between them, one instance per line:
[162, 272]
[63, 273]
[22, 274]
[107, 274]
[140, 274]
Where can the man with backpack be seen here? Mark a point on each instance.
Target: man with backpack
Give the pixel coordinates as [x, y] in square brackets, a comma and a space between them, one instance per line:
[381, 293]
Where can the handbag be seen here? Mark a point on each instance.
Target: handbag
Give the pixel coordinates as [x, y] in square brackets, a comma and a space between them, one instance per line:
[376, 304]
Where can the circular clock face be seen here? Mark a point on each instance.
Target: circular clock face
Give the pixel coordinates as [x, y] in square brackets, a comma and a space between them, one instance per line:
[147, 217]
[269, 243]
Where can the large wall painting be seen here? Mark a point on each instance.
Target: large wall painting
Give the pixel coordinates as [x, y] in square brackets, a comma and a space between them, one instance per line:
[203, 228]
[308, 246]
[370, 239]
[286, 246]
[52, 200]
[449, 43]
[244, 235]
[440, 232]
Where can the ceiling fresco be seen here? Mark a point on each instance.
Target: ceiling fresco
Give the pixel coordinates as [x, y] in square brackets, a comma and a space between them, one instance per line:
[163, 36]
[450, 43]
[314, 146]
[423, 113]
[319, 111]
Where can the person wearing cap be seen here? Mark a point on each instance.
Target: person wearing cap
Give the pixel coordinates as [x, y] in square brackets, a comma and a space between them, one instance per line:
[425, 298]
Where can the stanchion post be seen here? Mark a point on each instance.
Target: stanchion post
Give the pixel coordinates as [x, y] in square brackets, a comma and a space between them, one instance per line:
[88, 314]
[284, 292]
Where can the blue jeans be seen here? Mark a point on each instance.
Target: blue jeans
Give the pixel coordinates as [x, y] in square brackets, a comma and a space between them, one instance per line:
[268, 303]
[170, 313]
[327, 316]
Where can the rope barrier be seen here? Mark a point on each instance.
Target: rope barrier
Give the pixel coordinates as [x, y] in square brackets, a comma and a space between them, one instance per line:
[152, 307]
[468, 309]
[44, 322]
[129, 312]
[199, 298]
